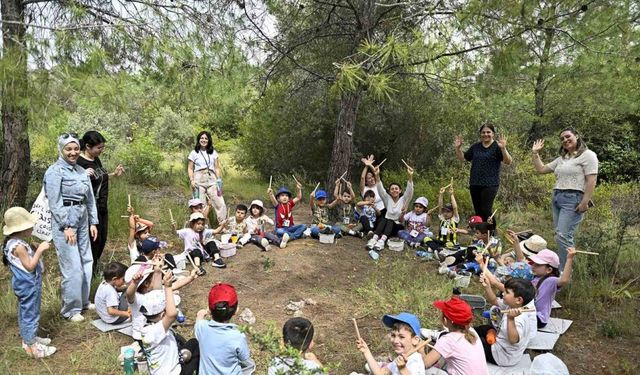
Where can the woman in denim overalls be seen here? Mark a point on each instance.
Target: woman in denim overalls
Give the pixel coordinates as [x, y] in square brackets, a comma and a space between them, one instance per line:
[74, 218]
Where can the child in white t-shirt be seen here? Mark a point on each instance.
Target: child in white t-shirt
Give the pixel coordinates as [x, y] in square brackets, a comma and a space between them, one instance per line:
[416, 223]
[111, 303]
[199, 242]
[460, 347]
[297, 333]
[404, 336]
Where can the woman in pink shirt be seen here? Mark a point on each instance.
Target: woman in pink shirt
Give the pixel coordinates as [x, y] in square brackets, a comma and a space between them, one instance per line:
[460, 347]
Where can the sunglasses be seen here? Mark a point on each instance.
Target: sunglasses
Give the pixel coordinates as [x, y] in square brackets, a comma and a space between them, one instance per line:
[67, 135]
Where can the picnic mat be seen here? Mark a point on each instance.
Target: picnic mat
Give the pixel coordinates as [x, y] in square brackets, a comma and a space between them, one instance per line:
[557, 325]
[544, 341]
[522, 368]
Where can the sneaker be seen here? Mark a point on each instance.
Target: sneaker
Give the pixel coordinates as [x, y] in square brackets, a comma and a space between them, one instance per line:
[265, 244]
[285, 239]
[374, 255]
[90, 306]
[43, 340]
[371, 243]
[219, 263]
[201, 271]
[307, 233]
[443, 270]
[351, 232]
[360, 234]
[38, 350]
[76, 318]
[239, 245]
[379, 245]
[449, 261]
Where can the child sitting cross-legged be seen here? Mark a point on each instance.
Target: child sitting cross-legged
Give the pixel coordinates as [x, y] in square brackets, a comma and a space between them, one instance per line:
[237, 225]
[199, 243]
[368, 212]
[416, 223]
[320, 212]
[404, 336]
[165, 351]
[515, 328]
[297, 334]
[223, 348]
[460, 347]
[283, 203]
[256, 223]
[111, 302]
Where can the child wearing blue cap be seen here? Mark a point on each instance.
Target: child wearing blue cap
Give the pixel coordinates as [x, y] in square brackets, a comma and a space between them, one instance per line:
[404, 336]
[285, 228]
[320, 212]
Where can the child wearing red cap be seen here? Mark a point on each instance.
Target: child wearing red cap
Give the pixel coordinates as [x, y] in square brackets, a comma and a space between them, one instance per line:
[460, 347]
[223, 348]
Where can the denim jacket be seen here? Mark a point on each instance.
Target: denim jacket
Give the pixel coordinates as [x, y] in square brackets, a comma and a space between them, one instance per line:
[64, 181]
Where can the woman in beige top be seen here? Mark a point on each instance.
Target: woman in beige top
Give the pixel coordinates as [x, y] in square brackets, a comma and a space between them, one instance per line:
[576, 171]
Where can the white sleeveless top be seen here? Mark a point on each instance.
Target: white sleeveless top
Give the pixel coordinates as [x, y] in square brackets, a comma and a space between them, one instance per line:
[14, 260]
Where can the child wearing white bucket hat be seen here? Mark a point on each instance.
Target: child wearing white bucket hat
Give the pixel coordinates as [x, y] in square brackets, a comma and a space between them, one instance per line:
[256, 227]
[26, 267]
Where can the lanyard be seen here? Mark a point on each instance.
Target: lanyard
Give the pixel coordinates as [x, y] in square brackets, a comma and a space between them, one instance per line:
[207, 160]
[285, 213]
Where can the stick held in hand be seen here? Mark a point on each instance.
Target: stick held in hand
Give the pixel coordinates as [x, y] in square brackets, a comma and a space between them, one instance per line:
[355, 325]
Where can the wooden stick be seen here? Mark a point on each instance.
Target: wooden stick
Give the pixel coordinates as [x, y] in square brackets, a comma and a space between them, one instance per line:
[270, 181]
[316, 188]
[447, 186]
[342, 177]
[296, 180]
[420, 346]
[521, 309]
[228, 212]
[451, 183]
[169, 263]
[524, 231]
[191, 261]
[129, 199]
[586, 252]
[382, 162]
[405, 163]
[124, 216]
[492, 215]
[355, 325]
[171, 215]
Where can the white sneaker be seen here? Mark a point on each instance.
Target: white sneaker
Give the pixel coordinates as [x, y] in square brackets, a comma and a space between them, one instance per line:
[43, 340]
[285, 239]
[371, 243]
[37, 350]
[379, 245]
[265, 244]
[307, 233]
[90, 306]
[76, 318]
[443, 270]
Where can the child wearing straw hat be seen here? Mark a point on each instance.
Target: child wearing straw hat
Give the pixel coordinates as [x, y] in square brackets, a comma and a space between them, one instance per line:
[26, 267]
[460, 347]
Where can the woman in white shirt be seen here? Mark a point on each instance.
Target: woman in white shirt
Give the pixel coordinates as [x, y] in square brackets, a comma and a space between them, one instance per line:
[204, 173]
[576, 171]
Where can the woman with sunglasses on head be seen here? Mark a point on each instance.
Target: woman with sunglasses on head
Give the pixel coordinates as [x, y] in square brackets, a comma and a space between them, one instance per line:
[486, 158]
[74, 219]
[91, 146]
[576, 171]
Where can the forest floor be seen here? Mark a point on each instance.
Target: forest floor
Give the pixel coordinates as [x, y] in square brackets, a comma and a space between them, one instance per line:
[342, 281]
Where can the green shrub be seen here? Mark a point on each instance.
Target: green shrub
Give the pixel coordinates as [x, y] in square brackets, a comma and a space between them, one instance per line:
[142, 159]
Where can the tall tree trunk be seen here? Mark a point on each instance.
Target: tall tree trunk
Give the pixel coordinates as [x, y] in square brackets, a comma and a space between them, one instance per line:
[535, 132]
[16, 155]
[343, 139]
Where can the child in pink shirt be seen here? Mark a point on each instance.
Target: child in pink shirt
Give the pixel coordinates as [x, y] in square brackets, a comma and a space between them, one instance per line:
[460, 347]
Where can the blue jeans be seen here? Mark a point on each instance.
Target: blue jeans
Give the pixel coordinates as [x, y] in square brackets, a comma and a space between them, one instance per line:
[565, 219]
[315, 230]
[28, 288]
[406, 235]
[294, 231]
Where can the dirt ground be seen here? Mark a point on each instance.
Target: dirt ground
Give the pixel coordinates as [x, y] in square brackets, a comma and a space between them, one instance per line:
[329, 274]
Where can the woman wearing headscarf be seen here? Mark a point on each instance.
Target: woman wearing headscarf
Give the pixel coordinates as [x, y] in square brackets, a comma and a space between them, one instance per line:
[74, 220]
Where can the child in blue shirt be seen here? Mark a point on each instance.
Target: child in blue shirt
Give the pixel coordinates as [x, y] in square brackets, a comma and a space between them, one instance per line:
[223, 348]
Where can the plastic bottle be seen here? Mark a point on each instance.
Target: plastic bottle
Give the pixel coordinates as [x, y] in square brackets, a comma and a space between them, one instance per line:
[180, 318]
[129, 362]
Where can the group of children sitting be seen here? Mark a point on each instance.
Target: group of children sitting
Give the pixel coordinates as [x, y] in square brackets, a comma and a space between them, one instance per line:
[528, 279]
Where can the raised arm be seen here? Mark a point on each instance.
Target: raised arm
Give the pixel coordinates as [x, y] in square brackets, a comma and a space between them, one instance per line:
[272, 197]
[516, 246]
[502, 144]
[568, 268]
[454, 203]
[312, 199]
[458, 147]
[299, 195]
[170, 311]
[351, 192]
[336, 189]
[538, 165]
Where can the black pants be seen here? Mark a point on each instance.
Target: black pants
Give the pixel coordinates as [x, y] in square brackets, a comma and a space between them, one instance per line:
[482, 198]
[387, 227]
[366, 228]
[97, 246]
[190, 367]
[482, 333]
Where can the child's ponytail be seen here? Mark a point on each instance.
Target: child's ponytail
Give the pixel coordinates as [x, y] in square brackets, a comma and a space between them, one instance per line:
[469, 335]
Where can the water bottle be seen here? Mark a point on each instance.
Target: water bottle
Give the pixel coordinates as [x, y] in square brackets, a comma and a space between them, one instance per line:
[129, 361]
[180, 318]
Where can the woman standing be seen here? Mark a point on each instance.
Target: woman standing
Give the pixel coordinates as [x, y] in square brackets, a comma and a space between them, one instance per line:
[91, 146]
[204, 173]
[74, 218]
[486, 158]
[576, 171]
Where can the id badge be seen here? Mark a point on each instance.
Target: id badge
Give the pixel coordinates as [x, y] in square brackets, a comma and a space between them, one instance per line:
[444, 231]
[345, 220]
[286, 222]
[414, 233]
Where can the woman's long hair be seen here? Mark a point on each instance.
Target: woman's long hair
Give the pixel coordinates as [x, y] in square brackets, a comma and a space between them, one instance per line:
[581, 144]
[91, 138]
[209, 144]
